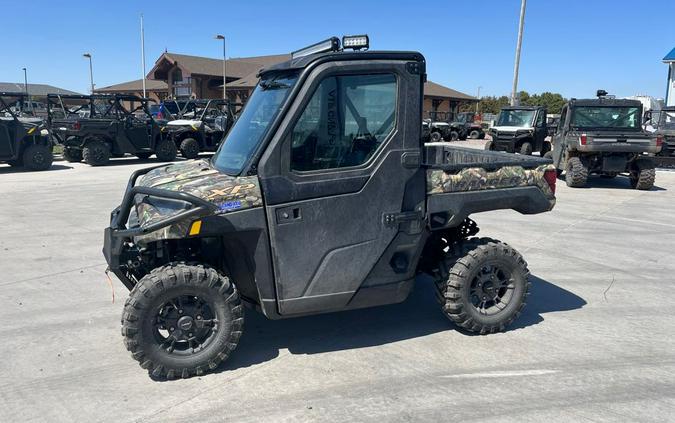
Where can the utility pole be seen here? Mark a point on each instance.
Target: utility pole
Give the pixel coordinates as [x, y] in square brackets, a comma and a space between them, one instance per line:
[478, 97]
[91, 71]
[514, 91]
[143, 55]
[222, 37]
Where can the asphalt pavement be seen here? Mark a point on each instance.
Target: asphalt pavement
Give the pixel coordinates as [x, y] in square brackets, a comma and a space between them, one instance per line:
[595, 342]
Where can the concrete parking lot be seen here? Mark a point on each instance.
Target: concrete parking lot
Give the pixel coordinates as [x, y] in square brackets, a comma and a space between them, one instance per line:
[594, 344]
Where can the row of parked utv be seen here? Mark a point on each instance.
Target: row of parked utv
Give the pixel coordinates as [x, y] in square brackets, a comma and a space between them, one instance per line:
[96, 128]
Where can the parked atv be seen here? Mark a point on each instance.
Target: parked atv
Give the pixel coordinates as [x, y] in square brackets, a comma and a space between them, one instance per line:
[604, 136]
[23, 140]
[111, 130]
[203, 128]
[520, 129]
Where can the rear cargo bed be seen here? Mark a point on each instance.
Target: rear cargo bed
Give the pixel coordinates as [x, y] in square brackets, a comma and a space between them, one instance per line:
[462, 181]
[450, 158]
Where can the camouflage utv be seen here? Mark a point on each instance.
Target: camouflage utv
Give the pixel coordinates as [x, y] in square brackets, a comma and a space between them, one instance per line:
[321, 198]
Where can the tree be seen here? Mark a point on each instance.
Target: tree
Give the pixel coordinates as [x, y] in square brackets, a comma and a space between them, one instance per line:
[491, 104]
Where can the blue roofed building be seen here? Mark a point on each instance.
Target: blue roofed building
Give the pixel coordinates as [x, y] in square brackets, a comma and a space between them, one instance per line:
[670, 89]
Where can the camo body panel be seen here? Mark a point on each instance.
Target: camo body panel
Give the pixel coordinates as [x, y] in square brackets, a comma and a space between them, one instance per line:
[198, 178]
[476, 178]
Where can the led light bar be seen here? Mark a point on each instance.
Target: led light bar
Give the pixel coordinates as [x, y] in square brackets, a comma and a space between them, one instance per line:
[355, 42]
[331, 44]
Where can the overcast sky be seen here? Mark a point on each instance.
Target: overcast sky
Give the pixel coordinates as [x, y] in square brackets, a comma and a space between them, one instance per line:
[573, 47]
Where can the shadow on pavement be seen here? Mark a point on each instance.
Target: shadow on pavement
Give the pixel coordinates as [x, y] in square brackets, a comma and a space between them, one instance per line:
[20, 169]
[618, 182]
[420, 315]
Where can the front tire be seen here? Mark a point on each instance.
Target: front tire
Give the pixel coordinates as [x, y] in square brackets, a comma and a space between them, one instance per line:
[182, 320]
[454, 135]
[189, 148]
[436, 136]
[37, 157]
[526, 148]
[576, 173]
[483, 284]
[489, 146]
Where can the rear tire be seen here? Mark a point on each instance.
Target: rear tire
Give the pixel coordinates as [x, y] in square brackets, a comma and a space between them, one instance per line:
[182, 320]
[189, 148]
[483, 284]
[37, 157]
[526, 148]
[72, 155]
[643, 179]
[576, 173]
[454, 135]
[474, 134]
[165, 150]
[96, 153]
[435, 136]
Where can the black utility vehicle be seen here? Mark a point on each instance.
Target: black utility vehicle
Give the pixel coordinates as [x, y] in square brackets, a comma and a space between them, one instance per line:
[664, 124]
[110, 129]
[520, 129]
[604, 136]
[202, 128]
[22, 140]
[321, 198]
[456, 126]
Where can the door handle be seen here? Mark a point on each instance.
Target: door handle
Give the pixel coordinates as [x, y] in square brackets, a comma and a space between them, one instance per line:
[288, 214]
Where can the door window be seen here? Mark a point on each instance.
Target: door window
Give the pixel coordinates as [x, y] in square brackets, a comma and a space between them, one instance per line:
[540, 120]
[345, 122]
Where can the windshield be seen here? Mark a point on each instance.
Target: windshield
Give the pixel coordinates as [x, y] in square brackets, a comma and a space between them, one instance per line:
[606, 117]
[518, 118]
[667, 119]
[249, 130]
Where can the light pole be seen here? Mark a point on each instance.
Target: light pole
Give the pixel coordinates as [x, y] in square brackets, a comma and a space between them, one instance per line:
[478, 97]
[143, 54]
[25, 87]
[222, 37]
[514, 91]
[91, 71]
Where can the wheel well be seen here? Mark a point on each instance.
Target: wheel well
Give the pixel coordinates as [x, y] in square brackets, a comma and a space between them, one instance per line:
[222, 253]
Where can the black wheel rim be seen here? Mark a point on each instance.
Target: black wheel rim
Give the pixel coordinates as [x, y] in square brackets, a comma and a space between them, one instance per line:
[185, 325]
[491, 290]
[38, 158]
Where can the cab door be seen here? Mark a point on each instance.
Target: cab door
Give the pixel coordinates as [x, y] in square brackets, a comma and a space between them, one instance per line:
[343, 171]
[540, 131]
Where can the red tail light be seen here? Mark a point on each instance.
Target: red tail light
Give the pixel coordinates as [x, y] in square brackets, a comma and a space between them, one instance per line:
[551, 176]
[583, 139]
[659, 141]
[76, 125]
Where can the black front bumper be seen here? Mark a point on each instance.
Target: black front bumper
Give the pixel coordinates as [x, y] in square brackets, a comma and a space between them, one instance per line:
[118, 235]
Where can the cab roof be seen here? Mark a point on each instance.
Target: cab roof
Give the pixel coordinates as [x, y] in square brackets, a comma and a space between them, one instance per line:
[304, 61]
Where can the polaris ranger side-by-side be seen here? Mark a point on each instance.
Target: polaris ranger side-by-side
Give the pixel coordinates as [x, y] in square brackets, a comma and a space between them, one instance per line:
[520, 129]
[203, 128]
[22, 139]
[113, 130]
[604, 136]
[321, 198]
